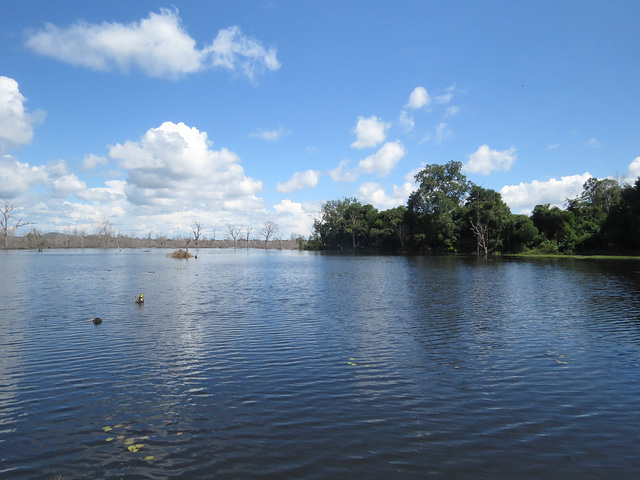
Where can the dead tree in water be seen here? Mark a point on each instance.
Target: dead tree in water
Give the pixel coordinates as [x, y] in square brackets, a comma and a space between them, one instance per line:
[5, 218]
[270, 228]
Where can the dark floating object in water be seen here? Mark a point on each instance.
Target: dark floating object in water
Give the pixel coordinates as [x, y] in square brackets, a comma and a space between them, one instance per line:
[97, 321]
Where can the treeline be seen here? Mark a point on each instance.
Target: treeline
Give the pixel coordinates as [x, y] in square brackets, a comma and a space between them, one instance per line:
[42, 241]
[449, 214]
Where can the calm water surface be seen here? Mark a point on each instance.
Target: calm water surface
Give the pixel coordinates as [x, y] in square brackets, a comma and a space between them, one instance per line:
[253, 364]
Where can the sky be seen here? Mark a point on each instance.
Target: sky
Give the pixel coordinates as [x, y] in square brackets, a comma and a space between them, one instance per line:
[153, 115]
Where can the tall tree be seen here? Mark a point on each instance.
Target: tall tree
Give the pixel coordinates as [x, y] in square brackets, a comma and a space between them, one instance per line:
[556, 226]
[622, 226]
[487, 215]
[436, 206]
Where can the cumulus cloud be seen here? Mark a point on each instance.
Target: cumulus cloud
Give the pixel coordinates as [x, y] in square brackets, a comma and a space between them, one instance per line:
[158, 45]
[484, 160]
[525, 196]
[299, 180]
[17, 178]
[91, 161]
[633, 171]
[419, 98]
[114, 190]
[370, 132]
[172, 163]
[342, 173]
[384, 160]
[16, 123]
[270, 135]
[376, 195]
[295, 217]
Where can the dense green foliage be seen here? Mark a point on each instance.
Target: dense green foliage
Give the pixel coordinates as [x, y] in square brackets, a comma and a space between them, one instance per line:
[449, 214]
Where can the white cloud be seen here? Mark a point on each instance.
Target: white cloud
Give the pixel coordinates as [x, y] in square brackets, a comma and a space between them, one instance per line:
[418, 98]
[406, 121]
[376, 195]
[553, 191]
[445, 98]
[295, 217]
[91, 161]
[552, 146]
[299, 180]
[158, 45]
[66, 185]
[384, 160]
[16, 123]
[484, 160]
[443, 132]
[270, 135]
[233, 51]
[18, 178]
[594, 143]
[369, 132]
[342, 173]
[113, 191]
[173, 163]
[451, 111]
[633, 172]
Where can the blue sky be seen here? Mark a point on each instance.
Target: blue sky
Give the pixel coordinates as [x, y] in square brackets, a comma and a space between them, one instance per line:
[151, 115]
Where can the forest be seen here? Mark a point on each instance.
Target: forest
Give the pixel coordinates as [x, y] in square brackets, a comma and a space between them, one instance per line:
[448, 214]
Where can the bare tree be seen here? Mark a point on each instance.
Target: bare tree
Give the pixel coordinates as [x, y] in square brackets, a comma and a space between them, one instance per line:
[234, 233]
[268, 230]
[481, 230]
[105, 231]
[6, 217]
[197, 231]
[248, 232]
[79, 236]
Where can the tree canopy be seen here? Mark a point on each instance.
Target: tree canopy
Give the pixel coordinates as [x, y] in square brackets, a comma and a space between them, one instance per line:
[449, 214]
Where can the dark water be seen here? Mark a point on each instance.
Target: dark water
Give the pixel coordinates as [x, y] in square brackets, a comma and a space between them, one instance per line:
[300, 366]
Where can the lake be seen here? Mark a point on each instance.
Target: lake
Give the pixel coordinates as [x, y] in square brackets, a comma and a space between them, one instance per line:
[254, 364]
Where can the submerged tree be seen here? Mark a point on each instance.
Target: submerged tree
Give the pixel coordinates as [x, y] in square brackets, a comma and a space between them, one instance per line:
[233, 232]
[6, 220]
[196, 230]
[268, 230]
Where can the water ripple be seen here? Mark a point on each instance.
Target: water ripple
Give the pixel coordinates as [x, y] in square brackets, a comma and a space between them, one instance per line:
[287, 365]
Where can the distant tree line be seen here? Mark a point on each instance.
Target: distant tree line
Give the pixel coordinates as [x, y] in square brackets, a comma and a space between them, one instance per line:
[107, 236]
[449, 214]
